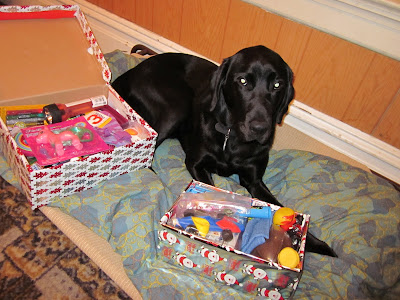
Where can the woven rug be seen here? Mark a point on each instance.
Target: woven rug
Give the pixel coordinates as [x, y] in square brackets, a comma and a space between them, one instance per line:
[37, 261]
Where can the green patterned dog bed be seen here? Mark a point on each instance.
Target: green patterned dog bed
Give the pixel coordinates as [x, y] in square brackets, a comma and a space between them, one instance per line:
[356, 212]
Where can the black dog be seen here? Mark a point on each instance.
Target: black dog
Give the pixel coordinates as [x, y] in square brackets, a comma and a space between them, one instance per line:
[224, 117]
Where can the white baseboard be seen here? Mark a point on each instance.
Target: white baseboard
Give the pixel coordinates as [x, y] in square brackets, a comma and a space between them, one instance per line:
[378, 156]
[121, 34]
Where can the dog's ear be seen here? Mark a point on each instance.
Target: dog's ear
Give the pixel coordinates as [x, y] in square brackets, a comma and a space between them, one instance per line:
[287, 98]
[218, 81]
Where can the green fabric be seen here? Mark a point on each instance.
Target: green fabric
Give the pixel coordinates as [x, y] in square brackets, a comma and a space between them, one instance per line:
[354, 211]
[120, 62]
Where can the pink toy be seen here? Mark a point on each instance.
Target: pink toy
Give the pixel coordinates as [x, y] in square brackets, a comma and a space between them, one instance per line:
[57, 139]
[62, 141]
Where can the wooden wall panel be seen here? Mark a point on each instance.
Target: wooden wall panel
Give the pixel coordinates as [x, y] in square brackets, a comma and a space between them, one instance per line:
[103, 4]
[388, 129]
[203, 26]
[292, 43]
[330, 73]
[375, 93]
[144, 13]
[247, 25]
[167, 19]
[125, 9]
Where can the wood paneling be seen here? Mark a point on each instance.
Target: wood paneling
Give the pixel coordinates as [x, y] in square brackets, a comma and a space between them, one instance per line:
[330, 72]
[292, 43]
[103, 4]
[144, 13]
[247, 26]
[125, 9]
[203, 26]
[167, 19]
[374, 95]
[388, 129]
[334, 76]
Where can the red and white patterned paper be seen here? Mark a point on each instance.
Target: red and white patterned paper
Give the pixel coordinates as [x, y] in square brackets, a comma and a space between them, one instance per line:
[42, 186]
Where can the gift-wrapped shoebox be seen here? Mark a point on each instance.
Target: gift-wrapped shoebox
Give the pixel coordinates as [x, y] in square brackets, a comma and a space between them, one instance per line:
[51, 57]
[247, 244]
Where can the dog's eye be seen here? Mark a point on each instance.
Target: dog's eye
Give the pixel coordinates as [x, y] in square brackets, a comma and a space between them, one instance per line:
[243, 81]
[277, 85]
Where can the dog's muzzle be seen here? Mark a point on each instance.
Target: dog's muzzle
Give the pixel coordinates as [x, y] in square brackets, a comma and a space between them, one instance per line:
[258, 128]
[255, 130]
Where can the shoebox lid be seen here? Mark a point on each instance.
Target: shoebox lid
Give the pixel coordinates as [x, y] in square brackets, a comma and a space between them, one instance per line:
[49, 55]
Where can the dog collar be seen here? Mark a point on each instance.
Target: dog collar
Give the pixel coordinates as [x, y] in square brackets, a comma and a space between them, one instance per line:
[225, 131]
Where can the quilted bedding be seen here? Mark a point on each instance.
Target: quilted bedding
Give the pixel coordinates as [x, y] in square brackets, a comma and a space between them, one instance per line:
[356, 212]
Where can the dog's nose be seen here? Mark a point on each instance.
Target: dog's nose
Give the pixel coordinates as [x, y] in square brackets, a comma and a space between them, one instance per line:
[258, 127]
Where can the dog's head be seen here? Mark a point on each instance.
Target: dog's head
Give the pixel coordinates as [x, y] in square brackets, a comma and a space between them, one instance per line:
[252, 89]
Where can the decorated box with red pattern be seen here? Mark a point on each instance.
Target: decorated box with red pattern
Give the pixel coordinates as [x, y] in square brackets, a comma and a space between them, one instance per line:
[223, 264]
[50, 55]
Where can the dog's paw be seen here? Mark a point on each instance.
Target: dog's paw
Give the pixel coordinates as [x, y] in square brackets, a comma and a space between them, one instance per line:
[317, 246]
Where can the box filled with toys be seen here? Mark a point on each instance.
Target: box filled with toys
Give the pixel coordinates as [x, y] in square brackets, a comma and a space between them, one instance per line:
[63, 127]
[247, 244]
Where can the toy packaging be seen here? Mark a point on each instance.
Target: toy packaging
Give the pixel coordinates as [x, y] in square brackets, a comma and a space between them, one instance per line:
[247, 244]
[55, 72]
[60, 142]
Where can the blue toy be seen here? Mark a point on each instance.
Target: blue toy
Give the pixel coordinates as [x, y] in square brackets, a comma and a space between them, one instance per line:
[263, 212]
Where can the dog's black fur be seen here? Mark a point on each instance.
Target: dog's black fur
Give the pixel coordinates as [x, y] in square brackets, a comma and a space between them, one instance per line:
[224, 116]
